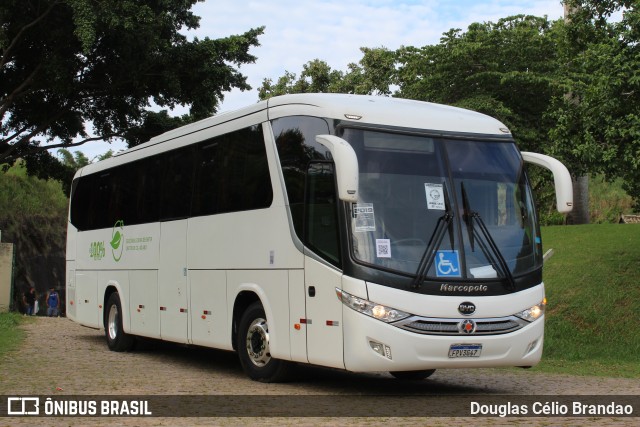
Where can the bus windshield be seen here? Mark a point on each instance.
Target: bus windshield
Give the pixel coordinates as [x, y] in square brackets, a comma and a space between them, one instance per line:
[453, 208]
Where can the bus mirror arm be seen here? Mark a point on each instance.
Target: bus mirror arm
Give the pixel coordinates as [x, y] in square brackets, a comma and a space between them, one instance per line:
[561, 178]
[346, 163]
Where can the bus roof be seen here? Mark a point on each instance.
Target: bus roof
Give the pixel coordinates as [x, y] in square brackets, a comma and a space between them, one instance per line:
[365, 109]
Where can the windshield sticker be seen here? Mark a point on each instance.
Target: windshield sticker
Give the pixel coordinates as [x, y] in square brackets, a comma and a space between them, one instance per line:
[448, 264]
[435, 196]
[364, 217]
[383, 248]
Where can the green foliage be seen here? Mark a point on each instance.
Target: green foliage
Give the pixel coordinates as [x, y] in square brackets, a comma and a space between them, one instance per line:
[22, 195]
[598, 121]
[608, 200]
[10, 333]
[69, 64]
[33, 217]
[592, 290]
[154, 123]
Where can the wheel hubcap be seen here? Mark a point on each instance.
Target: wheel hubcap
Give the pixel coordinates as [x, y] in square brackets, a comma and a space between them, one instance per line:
[112, 323]
[258, 343]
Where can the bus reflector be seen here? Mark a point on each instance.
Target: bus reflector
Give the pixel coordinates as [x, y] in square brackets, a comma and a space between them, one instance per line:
[333, 323]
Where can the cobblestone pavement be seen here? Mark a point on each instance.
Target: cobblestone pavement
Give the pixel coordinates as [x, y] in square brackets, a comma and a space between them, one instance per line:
[60, 357]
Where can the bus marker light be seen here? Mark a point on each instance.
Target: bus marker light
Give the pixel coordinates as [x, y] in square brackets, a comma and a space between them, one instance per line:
[203, 317]
[297, 326]
[333, 323]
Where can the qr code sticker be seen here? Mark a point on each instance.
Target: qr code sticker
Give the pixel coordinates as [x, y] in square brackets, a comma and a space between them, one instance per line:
[383, 248]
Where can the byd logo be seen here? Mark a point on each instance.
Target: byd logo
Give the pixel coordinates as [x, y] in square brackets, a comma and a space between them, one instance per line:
[467, 308]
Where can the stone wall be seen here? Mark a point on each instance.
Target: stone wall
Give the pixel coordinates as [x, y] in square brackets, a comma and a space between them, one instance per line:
[6, 272]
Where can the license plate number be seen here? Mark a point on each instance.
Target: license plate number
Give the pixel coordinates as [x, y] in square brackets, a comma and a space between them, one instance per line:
[465, 350]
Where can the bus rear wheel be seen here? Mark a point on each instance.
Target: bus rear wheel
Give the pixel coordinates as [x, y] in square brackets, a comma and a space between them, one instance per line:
[117, 339]
[253, 347]
[413, 375]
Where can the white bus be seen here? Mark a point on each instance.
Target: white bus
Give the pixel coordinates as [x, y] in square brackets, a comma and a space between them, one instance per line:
[355, 232]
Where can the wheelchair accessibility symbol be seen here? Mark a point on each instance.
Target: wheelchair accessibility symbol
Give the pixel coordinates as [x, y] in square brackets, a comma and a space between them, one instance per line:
[447, 264]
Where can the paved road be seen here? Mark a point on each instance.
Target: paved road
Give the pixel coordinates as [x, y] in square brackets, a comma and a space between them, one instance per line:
[60, 357]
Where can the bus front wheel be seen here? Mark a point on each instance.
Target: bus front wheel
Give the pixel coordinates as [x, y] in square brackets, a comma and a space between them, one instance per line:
[253, 347]
[117, 339]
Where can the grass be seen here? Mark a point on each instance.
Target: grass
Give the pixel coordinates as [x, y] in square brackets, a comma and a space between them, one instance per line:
[11, 335]
[593, 292]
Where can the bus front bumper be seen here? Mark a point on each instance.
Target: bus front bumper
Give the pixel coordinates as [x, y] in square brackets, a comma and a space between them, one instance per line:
[371, 345]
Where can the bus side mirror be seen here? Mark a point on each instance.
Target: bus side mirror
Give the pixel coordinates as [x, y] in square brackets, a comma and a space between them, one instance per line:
[346, 163]
[561, 178]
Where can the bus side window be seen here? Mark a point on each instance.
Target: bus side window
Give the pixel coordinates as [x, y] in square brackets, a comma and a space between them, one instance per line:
[176, 184]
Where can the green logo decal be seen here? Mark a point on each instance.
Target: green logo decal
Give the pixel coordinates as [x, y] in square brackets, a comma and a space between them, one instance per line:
[117, 235]
[96, 250]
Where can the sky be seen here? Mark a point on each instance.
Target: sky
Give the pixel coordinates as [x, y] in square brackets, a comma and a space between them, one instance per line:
[298, 31]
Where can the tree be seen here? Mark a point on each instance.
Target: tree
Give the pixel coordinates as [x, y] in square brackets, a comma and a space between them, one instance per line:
[372, 75]
[598, 123]
[507, 70]
[74, 71]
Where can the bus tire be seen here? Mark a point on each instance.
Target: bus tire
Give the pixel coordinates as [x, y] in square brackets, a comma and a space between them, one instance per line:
[413, 375]
[253, 347]
[117, 339]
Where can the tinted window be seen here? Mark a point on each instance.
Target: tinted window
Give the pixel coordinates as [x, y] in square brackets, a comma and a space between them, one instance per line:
[232, 173]
[297, 147]
[228, 173]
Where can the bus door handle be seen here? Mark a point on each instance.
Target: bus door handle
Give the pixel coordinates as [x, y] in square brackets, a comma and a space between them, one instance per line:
[312, 291]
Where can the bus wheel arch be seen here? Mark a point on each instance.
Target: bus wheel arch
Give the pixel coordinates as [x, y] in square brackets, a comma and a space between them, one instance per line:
[243, 300]
[252, 344]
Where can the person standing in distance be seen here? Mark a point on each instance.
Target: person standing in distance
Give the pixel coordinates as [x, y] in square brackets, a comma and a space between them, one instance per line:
[29, 300]
[53, 303]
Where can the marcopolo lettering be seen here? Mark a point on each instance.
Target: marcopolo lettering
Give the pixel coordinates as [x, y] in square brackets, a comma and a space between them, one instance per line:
[463, 288]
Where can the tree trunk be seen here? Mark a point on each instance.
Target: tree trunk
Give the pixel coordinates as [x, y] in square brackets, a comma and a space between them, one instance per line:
[580, 212]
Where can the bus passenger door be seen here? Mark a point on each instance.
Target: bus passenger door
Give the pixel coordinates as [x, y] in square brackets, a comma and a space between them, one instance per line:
[172, 281]
[324, 315]
[322, 273]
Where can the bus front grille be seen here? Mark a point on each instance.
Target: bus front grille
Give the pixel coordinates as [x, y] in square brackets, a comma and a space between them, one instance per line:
[433, 326]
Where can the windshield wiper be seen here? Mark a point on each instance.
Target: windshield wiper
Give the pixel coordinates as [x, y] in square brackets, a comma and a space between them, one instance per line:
[444, 223]
[501, 264]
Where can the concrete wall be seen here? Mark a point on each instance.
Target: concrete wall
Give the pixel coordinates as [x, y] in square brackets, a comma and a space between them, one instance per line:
[6, 264]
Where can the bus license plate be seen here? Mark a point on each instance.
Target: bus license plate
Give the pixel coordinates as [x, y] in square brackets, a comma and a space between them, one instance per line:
[465, 350]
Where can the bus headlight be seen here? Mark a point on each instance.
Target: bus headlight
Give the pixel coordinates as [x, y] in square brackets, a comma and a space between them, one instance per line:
[533, 313]
[377, 311]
